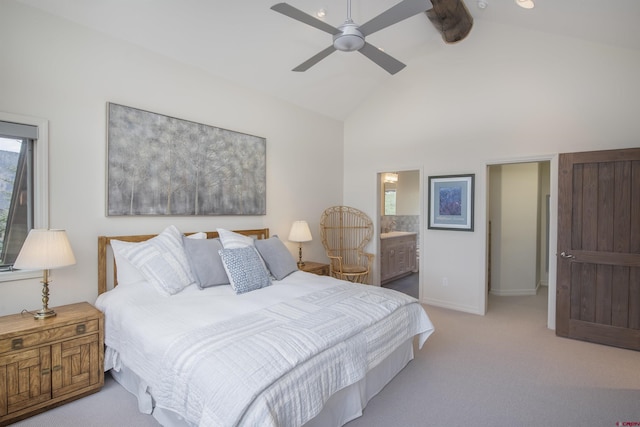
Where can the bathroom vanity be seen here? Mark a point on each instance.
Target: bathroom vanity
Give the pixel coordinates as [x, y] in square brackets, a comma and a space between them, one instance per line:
[397, 255]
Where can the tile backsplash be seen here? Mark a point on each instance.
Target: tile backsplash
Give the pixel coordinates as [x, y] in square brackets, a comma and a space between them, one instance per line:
[400, 223]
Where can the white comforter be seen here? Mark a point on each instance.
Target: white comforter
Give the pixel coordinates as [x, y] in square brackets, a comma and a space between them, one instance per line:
[269, 357]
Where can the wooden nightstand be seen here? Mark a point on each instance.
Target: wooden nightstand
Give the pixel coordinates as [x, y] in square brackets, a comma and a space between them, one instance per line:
[315, 268]
[47, 362]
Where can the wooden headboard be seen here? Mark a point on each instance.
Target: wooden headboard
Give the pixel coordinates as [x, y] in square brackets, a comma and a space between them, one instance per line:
[105, 241]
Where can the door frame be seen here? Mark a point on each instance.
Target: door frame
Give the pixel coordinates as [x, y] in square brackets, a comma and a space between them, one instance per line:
[422, 224]
[553, 226]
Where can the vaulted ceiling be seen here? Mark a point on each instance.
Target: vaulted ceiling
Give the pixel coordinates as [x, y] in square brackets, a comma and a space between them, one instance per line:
[249, 44]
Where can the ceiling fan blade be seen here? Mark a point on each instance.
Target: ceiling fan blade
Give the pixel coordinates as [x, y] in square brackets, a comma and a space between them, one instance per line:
[315, 59]
[403, 10]
[389, 63]
[299, 15]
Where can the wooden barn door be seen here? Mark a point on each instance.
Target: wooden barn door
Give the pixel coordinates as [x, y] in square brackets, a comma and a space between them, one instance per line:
[598, 283]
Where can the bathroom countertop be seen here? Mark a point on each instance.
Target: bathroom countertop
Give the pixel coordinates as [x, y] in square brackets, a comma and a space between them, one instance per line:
[396, 234]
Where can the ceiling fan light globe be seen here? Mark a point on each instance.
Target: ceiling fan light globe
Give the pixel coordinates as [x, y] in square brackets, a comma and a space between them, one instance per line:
[348, 43]
[349, 39]
[525, 4]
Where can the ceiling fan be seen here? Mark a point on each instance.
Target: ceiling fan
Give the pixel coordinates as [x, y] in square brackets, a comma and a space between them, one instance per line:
[350, 36]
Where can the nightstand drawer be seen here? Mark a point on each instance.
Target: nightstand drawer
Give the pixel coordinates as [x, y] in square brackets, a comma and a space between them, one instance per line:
[45, 336]
[315, 268]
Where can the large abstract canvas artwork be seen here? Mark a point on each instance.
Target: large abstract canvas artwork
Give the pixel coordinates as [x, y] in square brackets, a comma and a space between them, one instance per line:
[161, 165]
[451, 202]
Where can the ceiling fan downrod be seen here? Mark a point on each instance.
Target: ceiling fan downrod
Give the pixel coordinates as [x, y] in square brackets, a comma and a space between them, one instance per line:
[350, 37]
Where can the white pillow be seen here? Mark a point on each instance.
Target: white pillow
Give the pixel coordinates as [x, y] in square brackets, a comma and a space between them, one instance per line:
[233, 240]
[126, 273]
[198, 236]
[162, 261]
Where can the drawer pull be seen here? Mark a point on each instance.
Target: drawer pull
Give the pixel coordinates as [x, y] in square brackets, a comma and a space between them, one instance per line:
[46, 371]
[16, 344]
[56, 368]
[81, 329]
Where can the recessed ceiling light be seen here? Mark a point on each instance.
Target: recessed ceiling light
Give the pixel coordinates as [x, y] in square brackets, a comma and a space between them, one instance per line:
[482, 4]
[527, 4]
[321, 13]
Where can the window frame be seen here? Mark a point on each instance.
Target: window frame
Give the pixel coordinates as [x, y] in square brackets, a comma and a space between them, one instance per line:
[40, 184]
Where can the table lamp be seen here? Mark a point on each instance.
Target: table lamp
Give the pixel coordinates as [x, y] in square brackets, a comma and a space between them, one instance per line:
[300, 233]
[46, 250]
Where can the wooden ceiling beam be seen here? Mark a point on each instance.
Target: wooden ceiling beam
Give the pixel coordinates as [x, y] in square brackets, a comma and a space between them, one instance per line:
[451, 18]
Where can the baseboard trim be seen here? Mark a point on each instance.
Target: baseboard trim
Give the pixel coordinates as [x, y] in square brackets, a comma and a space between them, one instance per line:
[450, 306]
[515, 292]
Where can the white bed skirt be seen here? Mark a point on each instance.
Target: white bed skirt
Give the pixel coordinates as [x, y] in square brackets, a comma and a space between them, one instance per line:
[344, 406]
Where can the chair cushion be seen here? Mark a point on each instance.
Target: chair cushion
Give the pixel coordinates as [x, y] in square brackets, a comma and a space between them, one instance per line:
[353, 269]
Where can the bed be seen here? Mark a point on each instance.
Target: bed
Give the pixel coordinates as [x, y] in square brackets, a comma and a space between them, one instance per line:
[292, 349]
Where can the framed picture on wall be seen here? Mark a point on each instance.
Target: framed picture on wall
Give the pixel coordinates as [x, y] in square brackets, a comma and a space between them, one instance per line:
[162, 165]
[451, 202]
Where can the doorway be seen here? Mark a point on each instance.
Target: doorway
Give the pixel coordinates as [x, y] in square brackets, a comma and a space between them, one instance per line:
[518, 205]
[399, 213]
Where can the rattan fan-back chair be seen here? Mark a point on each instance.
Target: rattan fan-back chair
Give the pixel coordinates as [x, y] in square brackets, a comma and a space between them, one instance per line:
[345, 232]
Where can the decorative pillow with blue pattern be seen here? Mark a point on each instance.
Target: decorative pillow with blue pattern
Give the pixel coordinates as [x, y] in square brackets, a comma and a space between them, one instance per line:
[245, 269]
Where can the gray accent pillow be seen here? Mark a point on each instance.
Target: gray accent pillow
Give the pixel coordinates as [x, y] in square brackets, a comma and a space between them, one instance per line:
[245, 269]
[205, 262]
[277, 257]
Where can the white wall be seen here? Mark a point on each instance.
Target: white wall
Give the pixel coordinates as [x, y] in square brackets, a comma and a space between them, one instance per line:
[501, 95]
[65, 73]
[408, 193]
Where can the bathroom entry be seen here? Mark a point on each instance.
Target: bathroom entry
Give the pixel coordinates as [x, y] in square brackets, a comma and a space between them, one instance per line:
[399, 213]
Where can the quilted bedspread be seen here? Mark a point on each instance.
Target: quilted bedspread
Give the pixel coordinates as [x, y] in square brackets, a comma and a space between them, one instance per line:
[278, 365]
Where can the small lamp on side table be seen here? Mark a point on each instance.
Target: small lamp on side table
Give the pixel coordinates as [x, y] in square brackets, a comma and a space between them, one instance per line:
[300, 233]
[45, 250]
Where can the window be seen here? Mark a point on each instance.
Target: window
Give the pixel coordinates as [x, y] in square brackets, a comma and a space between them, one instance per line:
[23, 186]
[16, 196]
[390, 201]
[390, 182]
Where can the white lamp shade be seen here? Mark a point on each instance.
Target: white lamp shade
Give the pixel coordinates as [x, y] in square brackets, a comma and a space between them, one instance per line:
[44, 250]
[300, 232]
